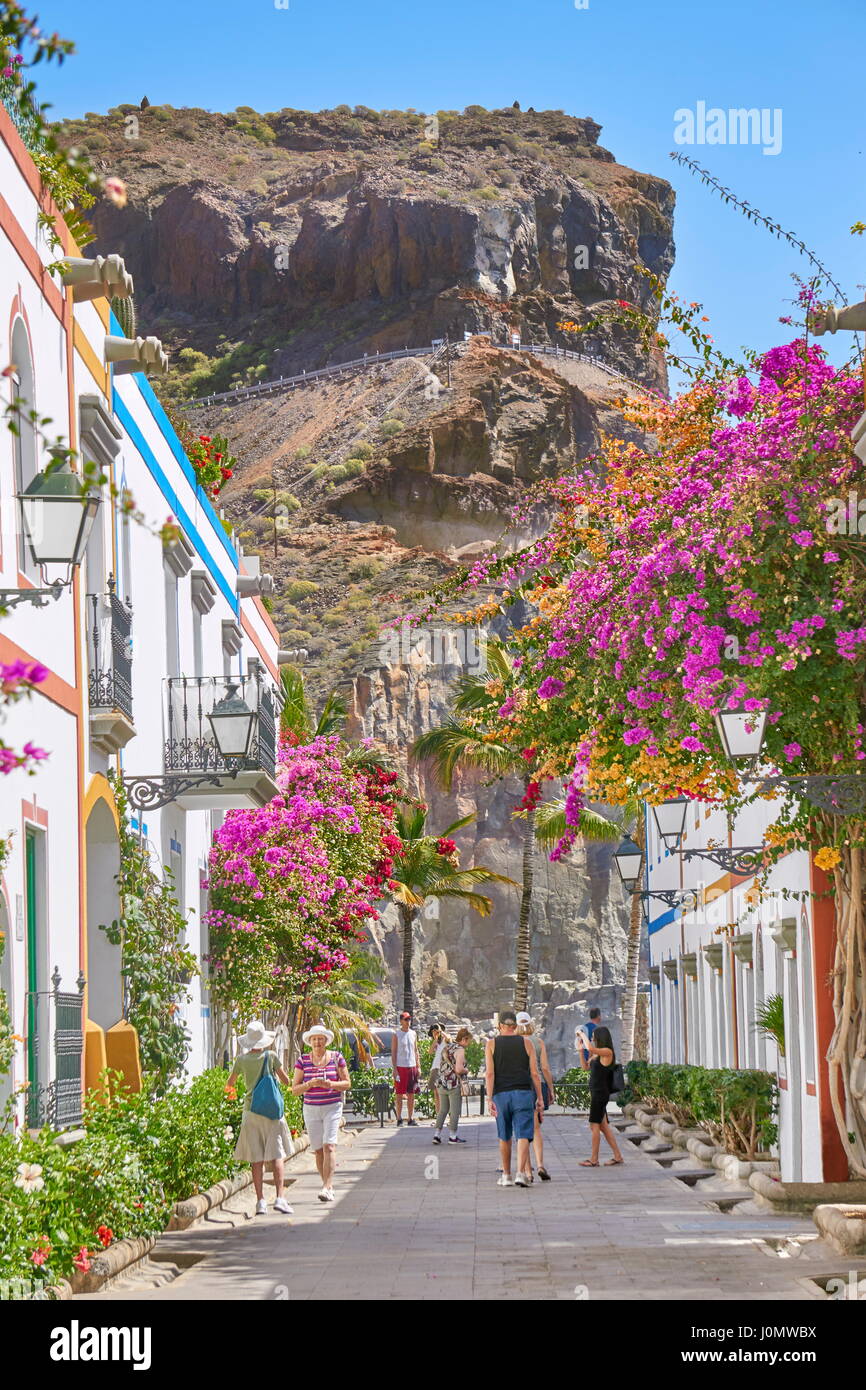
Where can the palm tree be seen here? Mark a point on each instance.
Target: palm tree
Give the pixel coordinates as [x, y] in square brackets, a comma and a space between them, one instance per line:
[470, 738]
[425, 872]
[298, 718]
[550, 827]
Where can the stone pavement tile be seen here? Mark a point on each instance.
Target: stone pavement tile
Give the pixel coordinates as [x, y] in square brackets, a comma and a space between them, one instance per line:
[391, 1235]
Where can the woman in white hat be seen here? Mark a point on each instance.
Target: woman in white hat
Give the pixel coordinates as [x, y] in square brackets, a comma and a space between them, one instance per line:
[322, 1078]
[261, 1140]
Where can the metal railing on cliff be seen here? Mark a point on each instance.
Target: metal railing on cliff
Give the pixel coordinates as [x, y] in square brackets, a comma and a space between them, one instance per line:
[289, 383]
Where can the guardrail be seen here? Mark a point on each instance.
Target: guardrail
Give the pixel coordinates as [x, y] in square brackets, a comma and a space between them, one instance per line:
[376, 1101]
[288, 383]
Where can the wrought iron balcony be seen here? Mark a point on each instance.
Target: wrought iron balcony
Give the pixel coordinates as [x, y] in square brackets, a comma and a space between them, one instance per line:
[196, 773]
[109, 648]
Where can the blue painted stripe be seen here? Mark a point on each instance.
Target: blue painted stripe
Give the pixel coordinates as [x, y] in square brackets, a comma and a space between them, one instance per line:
[664, 920]
[155, 407]
[138, 440]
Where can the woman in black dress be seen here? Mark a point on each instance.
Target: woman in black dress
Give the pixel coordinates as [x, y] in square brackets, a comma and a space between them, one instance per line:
[602, 1059]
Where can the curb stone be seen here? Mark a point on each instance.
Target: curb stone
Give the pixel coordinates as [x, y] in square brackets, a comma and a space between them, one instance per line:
[843, 1226]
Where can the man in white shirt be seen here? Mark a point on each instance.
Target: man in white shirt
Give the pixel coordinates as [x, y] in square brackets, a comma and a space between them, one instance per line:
[406, 1066]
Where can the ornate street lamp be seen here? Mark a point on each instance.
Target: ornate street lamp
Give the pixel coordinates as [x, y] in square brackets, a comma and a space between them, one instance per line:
[670, 817]
[742, 735]
[232, 722]
[629, 861]
[57, 516]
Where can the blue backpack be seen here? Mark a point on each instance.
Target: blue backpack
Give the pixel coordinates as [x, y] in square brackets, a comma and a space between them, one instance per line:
[267, 1098]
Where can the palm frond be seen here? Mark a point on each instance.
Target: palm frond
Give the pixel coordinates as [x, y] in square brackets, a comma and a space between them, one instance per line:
[332, 717]
[295, 716]
[476, 901]
[458, 824]
[550, 825]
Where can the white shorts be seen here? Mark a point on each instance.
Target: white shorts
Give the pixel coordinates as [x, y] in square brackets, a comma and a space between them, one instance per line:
[322, 1123]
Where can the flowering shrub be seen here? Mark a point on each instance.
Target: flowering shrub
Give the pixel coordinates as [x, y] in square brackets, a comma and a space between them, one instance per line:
[293, 883]
[707, 566]
[17, 679]
[60, 1206]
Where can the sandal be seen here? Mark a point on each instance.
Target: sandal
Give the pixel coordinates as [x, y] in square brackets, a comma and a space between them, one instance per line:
[589, 1163]
[544, 1175]
[613, 1162]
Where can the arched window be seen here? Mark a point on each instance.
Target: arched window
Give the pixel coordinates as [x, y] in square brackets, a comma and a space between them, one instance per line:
[24, 441]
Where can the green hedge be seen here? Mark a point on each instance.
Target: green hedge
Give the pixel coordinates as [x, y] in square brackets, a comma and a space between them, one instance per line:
[137, 1159]
[738, 1108]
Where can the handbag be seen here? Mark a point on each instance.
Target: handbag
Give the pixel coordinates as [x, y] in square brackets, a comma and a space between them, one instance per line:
[617, 1078]
[267, 1098]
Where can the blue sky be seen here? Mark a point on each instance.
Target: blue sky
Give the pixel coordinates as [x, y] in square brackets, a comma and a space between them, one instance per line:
[630, 64]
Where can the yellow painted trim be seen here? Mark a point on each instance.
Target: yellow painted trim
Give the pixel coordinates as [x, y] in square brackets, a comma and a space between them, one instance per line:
[90, 359]
[100, 790]
[103, 309]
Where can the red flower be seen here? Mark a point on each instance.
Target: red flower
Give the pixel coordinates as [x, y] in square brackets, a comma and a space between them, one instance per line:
[82, 1259]
[528, 753]
[445, 847]
[41, 1253]
[104, 1235]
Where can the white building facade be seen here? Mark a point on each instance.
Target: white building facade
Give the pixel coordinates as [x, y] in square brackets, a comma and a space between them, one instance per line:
[141, 645]
[717, 956]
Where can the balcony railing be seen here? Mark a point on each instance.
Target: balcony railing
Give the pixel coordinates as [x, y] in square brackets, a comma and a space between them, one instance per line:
[190, 744]
[109, 643]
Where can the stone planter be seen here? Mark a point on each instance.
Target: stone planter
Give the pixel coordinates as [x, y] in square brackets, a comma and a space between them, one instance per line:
[842, 1225]
[803, 1196]
[740, 1169]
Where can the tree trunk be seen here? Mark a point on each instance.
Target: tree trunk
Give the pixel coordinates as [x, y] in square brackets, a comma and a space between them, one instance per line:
[632, 969]
[846, 1054]
[407, 915]
[521, 988]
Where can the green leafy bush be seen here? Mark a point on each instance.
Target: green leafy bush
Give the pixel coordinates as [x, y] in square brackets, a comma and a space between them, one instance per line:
[737, 1108]
[138, 1157]
[391, 427]
[295, 589]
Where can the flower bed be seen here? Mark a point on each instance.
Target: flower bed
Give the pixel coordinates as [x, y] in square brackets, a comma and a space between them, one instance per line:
[61, 1204]
[736, 1108]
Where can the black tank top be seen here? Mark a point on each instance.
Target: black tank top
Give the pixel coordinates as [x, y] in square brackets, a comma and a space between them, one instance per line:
[511, 1071]
[599, 1077]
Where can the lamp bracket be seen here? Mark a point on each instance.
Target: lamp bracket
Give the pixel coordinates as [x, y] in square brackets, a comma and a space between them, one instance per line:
[745, 860]
[11, 598]
[673, 897]
[843, 794]
[151, 793]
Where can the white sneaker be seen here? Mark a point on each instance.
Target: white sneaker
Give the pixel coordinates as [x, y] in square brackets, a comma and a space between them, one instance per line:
[521, 1180]
[282, 1205]
[261, 1207]
[326, 1194]
[505, 1180]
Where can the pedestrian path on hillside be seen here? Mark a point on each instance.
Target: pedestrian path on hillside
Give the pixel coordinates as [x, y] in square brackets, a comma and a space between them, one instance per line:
[415, 1221]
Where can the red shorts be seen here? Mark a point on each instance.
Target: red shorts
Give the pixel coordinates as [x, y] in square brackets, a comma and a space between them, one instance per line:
[407, 1081]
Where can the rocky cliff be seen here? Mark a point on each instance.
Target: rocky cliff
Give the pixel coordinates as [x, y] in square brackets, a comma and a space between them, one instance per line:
[266, 245]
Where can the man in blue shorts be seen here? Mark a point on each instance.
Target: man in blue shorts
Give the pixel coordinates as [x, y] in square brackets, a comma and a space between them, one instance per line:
[514, 1087]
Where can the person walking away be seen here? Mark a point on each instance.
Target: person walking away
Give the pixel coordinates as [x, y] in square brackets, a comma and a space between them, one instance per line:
[261, 1140]
[514, 1087]
[587, 1030]
[527, 1030]
[600, 1048]
[406, 1066]
[449, 1087]
[322, 1078]
[438, 1038]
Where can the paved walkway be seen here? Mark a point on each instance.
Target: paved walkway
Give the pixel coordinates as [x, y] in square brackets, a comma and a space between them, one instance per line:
[415, 1221]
